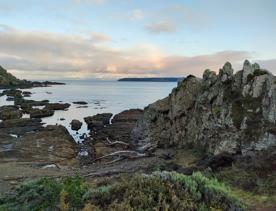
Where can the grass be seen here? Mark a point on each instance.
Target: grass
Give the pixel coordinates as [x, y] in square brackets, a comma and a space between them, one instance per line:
[157, 191]
[253, 186]
[187, 157]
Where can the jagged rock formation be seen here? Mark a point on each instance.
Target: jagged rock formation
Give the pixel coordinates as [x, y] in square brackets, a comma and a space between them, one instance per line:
[228, 112]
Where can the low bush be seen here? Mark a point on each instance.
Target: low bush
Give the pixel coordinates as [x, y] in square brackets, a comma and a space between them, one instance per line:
[157, 191]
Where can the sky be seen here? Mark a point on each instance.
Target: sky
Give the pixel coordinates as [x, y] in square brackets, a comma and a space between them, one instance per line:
[110, 39]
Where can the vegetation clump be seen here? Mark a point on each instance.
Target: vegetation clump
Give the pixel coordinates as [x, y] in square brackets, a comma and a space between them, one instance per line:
[259, 72]
[46, 194]
[157, 191]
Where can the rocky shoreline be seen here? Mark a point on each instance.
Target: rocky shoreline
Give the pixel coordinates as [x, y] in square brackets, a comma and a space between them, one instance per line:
[211, 124]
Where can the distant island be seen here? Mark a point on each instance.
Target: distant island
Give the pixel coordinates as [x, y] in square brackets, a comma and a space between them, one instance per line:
[157, 79]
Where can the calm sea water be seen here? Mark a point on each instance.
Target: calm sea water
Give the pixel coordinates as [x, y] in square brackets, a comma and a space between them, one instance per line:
[101, 96]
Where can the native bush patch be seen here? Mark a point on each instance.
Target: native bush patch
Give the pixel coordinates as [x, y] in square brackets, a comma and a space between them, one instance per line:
[156, 191]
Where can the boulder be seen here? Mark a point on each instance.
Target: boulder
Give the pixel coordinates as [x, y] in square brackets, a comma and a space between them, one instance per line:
[80, 103]
[26, 94]
[76, 124]
[57, 106]
[98, 121]
[10, 112]
[40, 113]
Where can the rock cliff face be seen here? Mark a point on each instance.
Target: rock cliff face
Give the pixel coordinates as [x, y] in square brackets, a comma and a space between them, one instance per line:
[227, 112]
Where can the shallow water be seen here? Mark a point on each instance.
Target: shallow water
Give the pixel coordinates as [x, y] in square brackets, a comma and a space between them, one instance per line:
[3, 101]
[101, 96]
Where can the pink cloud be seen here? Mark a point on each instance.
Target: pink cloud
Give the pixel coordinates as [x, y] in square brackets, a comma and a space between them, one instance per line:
[42, 54]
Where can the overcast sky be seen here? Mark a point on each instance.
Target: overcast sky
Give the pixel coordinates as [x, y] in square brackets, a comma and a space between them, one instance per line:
[59, 39]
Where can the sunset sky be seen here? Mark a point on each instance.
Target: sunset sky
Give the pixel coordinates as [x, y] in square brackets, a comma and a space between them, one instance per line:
[82, 39]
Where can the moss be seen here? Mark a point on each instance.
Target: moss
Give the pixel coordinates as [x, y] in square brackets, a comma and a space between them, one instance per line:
[216, 110]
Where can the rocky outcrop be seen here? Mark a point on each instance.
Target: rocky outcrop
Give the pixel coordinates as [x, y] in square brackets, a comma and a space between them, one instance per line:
[97, 121]
[57, 106]
[129, 116]
[10, 112]
[114, 135]
[24, 122]
[27, 94]
[52, 144]
[223, 112]
[12, 93]
[80, 103]
[40, 113]
[19, 127]
[120, 128]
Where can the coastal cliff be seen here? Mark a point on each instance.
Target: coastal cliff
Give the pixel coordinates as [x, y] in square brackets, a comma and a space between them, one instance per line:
[222, 112]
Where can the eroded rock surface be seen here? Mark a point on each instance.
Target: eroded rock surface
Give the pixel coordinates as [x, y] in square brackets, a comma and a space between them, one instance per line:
[228, 112]
[52, 144]
[107, 138]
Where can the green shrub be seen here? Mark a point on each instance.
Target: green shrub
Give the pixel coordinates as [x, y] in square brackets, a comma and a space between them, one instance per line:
[157, 191]
[45, 194]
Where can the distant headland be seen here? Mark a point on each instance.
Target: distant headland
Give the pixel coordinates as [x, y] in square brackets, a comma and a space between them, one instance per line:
[156, 79]
[8, 81]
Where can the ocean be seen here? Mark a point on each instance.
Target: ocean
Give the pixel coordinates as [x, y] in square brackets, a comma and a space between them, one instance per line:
[101, 96]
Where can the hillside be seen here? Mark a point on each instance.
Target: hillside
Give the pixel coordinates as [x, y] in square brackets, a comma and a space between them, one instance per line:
[7, 80]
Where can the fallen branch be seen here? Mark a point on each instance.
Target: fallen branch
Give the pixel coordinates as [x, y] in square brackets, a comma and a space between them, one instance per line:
[147, 147]
[114, 161]
[123, 154]
[110, 143]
